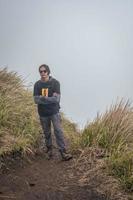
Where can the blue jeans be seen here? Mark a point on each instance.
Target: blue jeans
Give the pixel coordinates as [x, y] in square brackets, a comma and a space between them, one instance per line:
[46, 125]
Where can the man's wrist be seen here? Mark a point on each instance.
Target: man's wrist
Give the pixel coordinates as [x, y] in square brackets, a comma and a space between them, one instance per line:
[42, 97]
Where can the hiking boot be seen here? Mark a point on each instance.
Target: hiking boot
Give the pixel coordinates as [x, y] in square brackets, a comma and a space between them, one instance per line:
[49, 152]
[65, 156]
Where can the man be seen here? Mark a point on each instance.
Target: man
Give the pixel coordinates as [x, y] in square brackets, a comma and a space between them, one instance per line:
[47, 97]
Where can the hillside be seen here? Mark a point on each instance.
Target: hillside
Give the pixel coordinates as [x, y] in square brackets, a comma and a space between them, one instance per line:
[102, 167]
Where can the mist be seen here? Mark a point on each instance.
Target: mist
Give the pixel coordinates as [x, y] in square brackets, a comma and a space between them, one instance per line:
[87, 44]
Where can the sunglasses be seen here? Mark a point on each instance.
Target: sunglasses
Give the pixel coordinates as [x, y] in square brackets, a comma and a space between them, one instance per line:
[41, 71]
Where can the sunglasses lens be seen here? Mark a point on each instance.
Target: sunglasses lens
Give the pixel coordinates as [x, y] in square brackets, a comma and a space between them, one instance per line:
[43, 71]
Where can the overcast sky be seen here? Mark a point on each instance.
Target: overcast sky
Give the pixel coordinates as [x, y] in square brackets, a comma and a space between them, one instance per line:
[88, 45]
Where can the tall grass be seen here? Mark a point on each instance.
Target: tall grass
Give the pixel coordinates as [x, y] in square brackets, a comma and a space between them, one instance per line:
[19, 128]
[113, 131]
[71, 132]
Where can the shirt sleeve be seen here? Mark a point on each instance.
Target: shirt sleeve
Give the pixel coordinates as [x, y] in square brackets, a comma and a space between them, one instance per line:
[36, 90]
[36, 96]
[57, 87]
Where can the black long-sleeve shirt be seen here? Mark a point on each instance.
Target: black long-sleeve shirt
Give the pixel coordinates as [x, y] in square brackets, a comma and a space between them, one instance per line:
[47, 96]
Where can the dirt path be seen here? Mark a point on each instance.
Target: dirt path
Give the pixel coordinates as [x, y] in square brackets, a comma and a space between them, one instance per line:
[45, 180]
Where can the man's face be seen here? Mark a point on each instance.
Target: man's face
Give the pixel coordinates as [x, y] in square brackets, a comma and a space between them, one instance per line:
[43, 73]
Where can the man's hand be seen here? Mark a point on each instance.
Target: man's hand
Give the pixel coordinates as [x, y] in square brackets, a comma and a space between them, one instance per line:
[55, 94]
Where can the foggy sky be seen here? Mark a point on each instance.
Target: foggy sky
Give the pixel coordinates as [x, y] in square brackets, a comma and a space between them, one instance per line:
[87, 44]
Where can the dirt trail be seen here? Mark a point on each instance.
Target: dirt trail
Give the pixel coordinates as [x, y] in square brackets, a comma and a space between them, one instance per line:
[45, 180]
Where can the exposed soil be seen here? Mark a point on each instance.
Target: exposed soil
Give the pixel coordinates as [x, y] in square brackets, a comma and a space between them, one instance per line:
[44, 179]
[37, 178]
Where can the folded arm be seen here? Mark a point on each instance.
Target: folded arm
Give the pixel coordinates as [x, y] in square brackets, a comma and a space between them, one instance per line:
[47, 100]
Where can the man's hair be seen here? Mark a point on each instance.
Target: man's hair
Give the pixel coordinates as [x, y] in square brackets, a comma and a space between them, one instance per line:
[46, 67]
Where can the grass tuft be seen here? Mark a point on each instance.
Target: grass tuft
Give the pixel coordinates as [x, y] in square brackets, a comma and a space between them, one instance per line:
[19, 127]
[113, 132]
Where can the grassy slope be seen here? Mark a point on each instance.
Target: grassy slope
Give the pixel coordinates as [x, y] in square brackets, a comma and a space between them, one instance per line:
[18, 121]
[112, 131]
